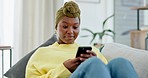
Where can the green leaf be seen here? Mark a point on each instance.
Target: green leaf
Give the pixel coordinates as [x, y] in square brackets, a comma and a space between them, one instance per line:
[85, 36]
[88, 30]
[108, 30]
[101, 34]
[106, 20]
[94, 36]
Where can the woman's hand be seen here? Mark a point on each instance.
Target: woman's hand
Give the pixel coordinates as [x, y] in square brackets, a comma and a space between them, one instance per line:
[89, 54]
[72, 64]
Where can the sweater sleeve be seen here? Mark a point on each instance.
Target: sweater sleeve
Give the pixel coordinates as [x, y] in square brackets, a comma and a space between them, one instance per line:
[36, 69]
[58, 72]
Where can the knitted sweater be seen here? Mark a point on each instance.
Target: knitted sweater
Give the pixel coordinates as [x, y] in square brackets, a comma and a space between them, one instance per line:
[47, 62]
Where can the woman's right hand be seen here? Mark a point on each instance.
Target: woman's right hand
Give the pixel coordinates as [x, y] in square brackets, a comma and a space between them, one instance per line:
[72, 64]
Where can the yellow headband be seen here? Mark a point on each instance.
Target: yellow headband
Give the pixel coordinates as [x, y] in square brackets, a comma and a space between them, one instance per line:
[70, 9]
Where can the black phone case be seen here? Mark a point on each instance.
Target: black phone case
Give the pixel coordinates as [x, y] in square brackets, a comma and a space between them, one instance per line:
[82, 50]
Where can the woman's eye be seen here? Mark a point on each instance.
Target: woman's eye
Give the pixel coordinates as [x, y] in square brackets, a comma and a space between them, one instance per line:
[75, 27]
[65, 26]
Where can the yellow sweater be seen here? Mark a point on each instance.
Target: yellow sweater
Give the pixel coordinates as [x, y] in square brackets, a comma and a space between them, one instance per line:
[47, 62]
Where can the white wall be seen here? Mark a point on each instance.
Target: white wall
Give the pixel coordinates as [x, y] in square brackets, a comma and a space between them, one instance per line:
[92, 16]
[146, 14]
[146, 17]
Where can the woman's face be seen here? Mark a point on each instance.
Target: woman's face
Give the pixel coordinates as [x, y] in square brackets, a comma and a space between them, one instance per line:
[67, 30]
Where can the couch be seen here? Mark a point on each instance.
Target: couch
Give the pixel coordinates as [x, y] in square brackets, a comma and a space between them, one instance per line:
[139, 58]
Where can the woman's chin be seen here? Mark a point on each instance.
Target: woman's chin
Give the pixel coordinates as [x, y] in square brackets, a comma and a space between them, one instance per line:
[69, 42]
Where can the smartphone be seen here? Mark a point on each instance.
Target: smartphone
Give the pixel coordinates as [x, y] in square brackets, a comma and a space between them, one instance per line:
[82, 50]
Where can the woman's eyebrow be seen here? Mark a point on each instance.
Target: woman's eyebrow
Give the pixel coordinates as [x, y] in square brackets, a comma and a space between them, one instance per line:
[64, 22]
[67, 22]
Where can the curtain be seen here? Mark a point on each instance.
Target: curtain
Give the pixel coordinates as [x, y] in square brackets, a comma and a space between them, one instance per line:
[1, 27]
[33, 25]
[6, 31]
[6, 22]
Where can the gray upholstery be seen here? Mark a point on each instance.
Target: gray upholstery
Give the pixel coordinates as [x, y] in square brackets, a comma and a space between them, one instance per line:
[18, 70]
[139, 58]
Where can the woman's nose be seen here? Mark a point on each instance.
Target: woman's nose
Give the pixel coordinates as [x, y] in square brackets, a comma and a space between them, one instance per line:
[70, 30]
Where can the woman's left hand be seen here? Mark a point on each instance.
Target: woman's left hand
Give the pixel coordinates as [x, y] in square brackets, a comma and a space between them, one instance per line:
[89, 54]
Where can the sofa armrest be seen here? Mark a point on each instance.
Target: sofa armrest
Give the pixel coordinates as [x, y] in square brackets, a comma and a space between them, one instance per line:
[139, 58]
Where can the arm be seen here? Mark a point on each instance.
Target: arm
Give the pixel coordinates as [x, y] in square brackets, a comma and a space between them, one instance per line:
[39, 67]
[60, 71]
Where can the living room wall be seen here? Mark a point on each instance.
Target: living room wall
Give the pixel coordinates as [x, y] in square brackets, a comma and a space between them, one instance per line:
[92, 17]
[126, 19]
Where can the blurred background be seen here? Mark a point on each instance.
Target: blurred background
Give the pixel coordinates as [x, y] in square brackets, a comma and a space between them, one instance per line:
[25, 24]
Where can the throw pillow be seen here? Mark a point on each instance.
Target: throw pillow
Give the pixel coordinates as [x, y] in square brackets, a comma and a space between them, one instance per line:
[18, 70]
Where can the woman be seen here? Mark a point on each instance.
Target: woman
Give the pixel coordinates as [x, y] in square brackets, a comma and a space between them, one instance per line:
[59, 61]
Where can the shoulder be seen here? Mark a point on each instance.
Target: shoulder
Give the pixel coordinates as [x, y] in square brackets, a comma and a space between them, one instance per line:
[46, 48]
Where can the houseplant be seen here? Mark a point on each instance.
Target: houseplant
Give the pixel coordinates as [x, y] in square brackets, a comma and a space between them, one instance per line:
[104, 31]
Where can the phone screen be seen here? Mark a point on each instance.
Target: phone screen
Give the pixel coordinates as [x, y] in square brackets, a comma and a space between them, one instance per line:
[82, 50]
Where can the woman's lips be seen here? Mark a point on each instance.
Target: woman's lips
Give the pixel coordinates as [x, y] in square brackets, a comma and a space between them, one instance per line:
[70, 37]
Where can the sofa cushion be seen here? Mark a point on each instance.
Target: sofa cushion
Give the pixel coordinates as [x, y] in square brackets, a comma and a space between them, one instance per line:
[18, 70]
[139, 58]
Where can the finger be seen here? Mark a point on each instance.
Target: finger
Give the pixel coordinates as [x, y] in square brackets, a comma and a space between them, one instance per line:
[83, 59]
[94, 54]
[91, 52]
[85, 55]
